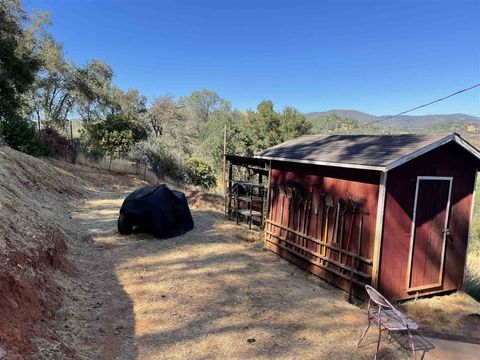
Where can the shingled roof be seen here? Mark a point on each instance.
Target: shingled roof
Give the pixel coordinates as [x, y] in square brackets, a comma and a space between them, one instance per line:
[373, 152]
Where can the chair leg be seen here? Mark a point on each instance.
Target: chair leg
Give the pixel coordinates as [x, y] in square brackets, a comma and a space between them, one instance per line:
[364, 333]
[412, 344]
[378, 343]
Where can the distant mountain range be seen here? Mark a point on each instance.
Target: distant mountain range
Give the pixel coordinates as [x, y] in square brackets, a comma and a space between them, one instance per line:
[402, 121]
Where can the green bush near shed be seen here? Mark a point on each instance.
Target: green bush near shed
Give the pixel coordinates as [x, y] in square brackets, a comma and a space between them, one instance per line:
[200, 173]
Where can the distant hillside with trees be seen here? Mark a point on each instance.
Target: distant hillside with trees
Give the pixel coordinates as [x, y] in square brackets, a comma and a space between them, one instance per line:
[420, 123]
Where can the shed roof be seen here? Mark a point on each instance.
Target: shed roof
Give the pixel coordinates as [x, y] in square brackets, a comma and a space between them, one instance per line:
[373, 152]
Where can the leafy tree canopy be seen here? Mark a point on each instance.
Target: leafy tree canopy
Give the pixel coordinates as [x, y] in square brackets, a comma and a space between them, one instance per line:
[93, 90]
[53, 97]
[202, 103]
[212, 133]
[115, 134]
[129, 102]
[18, 61]
[265, 127]
[18, 66]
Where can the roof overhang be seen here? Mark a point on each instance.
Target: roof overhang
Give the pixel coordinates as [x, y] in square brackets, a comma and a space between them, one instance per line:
[452, 137]
[323, 163]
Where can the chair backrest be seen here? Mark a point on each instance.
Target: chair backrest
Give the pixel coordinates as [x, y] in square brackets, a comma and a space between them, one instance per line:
[378, 298]
[382, 302]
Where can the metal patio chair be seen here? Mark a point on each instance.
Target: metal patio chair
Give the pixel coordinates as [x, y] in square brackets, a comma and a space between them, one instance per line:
[384, 315]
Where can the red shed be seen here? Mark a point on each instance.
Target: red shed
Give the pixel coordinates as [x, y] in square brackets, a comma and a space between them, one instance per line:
[392, 211]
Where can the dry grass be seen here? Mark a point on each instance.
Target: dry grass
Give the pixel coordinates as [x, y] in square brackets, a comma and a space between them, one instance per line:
[48, 294]
[30, 192]
[120, 166]
[95, 179]
[36, 200]
[205, 294]
[472, 275]
[455, 316]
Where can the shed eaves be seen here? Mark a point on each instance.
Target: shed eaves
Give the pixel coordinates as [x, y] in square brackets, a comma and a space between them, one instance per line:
[376, 152]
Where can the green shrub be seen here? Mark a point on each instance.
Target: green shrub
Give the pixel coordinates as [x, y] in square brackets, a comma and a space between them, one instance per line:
[475, 235]
[200, 173]
[472, 275]
[21, 135]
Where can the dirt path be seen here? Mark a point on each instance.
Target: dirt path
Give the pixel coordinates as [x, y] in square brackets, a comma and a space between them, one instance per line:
[209, 295]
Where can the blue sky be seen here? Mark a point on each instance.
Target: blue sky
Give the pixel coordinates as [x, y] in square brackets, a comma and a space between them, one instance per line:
[380, 57]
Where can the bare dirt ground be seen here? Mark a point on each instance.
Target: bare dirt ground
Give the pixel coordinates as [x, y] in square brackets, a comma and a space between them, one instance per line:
[211, 293]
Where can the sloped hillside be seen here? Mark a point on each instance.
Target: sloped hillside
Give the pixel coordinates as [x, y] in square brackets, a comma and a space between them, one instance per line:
[34, 221]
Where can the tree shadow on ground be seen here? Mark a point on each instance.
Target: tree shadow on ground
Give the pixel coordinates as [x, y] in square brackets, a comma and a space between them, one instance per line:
[208, 294]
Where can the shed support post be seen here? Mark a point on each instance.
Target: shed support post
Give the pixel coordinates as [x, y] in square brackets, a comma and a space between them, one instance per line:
[224, 154]
[267, 213]
[228, 188]
[377, 247]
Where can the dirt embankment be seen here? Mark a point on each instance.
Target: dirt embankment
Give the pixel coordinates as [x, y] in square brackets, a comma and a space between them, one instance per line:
[34, 221]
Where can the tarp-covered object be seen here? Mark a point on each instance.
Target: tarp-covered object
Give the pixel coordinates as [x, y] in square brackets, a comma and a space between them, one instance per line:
[157, 210]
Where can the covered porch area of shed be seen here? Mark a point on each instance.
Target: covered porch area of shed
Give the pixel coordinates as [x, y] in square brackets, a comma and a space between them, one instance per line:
[246, 189]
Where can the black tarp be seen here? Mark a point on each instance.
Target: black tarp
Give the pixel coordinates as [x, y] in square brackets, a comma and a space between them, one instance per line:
[157, 210]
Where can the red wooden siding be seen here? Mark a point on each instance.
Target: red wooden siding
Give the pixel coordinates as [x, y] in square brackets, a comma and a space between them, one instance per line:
[337, 182]
[448, 160]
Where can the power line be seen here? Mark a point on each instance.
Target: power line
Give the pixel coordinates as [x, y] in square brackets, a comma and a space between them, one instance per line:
[424, 105]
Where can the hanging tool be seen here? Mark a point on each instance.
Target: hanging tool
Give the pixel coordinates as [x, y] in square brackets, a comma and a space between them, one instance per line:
[298, 225]
[359, 242]
[335, 226]
[304, 224]
[338, 215]
[301, 221]
[356, 262]
[291, 212]
[355, 208]
[283, 194]
[328, 206]
[315, 204]
[274, 207]
[300, 213]
[306, 228]
[308, 214]
[343, 205]
[333, 229]
[319, 232]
